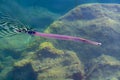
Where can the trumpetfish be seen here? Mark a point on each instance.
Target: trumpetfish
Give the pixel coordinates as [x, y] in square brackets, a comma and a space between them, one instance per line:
[8, 28]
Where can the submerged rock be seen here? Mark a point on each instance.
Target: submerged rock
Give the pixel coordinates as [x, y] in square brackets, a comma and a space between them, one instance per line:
[48, 63]
[98, 22]
[53, 60]
[104, 68]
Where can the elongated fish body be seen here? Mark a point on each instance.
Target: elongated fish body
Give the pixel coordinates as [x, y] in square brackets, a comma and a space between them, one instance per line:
[9, 27]
[65, 37]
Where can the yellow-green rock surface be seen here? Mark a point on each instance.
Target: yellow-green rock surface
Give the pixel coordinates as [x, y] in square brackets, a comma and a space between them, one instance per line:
[48, 63]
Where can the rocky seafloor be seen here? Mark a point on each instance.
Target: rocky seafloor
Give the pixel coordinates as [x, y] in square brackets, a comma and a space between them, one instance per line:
[98, 22]
[50, 59]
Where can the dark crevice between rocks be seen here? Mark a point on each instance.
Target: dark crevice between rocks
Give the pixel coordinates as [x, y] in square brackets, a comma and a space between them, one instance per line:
[46, 54]
[77, 76]
[22, 73]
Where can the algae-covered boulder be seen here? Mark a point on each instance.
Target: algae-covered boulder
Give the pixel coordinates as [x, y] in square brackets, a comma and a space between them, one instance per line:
[67, 60]
[57, 64]
[48, 63]
[98, 22]
[104, 68]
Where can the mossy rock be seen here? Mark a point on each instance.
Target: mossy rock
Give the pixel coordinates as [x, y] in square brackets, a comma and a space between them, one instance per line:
[97, 22]
[22, 62]
[104, 68]
[60, 67]
[48, 64]
[48, 46]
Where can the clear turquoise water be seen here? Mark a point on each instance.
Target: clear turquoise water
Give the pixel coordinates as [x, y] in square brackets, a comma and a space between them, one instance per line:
[38, 14]
[17, 9]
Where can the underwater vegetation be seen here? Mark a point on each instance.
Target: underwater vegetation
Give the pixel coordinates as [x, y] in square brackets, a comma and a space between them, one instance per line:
[48, 59]
[98, 22]
[106, 67]
[47, 62]
[93, 21]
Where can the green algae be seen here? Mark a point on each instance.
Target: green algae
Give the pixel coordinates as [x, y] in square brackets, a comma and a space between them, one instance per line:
[67, 62]
[105, 64]
[22, 62]
[60, 67]
[103, 26]
[54, 25]
[45, 45]
[53, 73]
[50, 47]
[108, 60]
